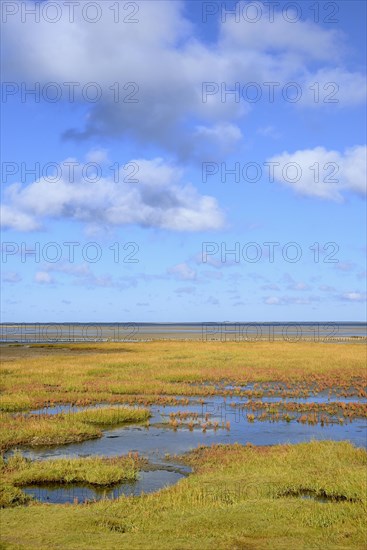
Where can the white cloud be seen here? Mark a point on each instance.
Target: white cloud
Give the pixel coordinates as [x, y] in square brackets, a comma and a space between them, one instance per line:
[334, 86]
[182, 272]
[294, 285]
[321, 173]
[269, 131]
[12, 217]
[98, 156]
[272, 300]
[224, 136]
[298, 286]
[303, 38]
[168, 65]
[353, 296]
[43, 277]
[159, 199]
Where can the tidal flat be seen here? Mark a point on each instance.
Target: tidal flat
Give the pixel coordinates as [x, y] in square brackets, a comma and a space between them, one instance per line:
[179, 444]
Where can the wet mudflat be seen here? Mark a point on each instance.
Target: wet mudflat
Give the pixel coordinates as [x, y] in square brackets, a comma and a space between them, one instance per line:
[219, 419]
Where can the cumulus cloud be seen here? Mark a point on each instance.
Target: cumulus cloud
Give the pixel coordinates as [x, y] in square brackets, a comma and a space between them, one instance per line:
[321, 173]
[166, 66]
[158, 198]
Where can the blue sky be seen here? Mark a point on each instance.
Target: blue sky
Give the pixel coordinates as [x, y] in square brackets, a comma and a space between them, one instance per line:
[214, 171]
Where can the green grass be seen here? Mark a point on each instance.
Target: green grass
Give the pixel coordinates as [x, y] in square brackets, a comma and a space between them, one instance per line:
[59, 429]
[238, 498]
[94, 470]
[11, 495]
[18, 471]
[111, 416]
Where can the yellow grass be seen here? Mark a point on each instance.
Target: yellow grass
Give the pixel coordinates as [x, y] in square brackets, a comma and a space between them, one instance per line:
[124, 372]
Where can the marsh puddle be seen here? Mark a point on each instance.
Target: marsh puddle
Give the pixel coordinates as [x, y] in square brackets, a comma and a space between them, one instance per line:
[202, 404]
[148, 482]
[214, 420]
[323, 498]
[261, 392]
[159, 438]
[311, 496]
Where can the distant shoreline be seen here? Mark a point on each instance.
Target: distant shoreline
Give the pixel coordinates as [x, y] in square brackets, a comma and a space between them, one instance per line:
[43, 333]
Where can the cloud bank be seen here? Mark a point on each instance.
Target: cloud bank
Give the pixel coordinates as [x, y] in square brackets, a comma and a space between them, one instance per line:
[167, 66]
[157, 199]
